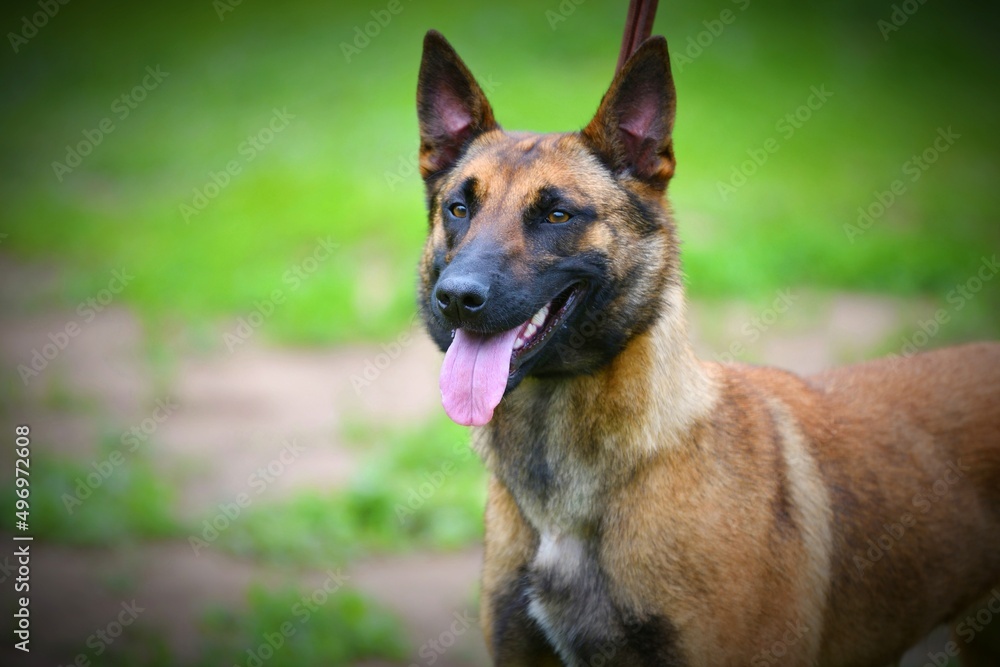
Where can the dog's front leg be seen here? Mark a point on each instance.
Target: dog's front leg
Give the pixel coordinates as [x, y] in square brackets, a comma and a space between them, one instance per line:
[513, 637]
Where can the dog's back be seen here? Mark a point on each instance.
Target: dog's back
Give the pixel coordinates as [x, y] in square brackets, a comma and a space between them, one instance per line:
[914, 474]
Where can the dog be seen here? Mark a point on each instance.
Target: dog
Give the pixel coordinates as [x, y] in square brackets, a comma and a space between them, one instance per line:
[647, 508]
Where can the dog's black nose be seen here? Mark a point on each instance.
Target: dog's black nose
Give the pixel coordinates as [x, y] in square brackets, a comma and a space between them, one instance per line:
[460, 298]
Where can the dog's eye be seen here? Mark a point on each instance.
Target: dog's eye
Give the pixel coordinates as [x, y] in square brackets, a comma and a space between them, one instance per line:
[556, 217]
[459, 210]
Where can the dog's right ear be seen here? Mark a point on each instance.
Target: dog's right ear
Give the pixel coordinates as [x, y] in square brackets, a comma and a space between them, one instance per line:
[451, 106]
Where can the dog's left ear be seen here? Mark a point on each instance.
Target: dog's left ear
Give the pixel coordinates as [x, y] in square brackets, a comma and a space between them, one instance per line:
[451, 106]
[633, 125]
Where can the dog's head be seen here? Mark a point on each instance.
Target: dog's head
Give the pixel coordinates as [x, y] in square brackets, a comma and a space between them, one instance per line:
[547, 253]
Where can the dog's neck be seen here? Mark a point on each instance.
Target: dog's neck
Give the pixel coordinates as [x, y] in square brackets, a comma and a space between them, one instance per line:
[560, 445]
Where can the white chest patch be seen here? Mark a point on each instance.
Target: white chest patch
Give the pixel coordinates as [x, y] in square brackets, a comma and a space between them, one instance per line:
[560, 554]
[561, 559]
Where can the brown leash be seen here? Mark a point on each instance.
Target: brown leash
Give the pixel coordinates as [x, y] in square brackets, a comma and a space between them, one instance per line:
[638, 28]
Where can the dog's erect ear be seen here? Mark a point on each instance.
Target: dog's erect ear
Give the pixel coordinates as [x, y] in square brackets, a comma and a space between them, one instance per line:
[450, 105]
[633, 125]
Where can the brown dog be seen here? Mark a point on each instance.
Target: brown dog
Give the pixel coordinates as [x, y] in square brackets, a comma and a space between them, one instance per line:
[646, 508]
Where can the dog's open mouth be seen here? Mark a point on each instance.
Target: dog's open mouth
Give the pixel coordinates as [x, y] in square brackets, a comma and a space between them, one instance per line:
[476, 366]
[537, 331]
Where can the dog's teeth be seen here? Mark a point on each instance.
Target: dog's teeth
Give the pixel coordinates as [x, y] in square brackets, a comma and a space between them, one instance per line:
[519, 343]
[540, 316]
[530, 331]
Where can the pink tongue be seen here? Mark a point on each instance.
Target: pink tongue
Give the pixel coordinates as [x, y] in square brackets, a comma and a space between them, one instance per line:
[474, 375]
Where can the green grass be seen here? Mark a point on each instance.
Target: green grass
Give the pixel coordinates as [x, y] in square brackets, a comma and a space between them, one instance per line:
[418, 489]
[974, 321]
[421, 488]
[143, 646]
[286, 627]
[300, 630]
[118, 497]
[330, 171]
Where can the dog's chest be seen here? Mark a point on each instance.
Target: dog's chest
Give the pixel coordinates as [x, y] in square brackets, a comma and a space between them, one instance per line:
[563, 498]
[562, 481]
[568, 598]
[568, 591]
[559, 490]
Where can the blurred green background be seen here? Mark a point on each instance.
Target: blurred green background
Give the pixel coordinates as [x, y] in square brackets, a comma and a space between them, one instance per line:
[323, 208]
[342, 166]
